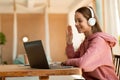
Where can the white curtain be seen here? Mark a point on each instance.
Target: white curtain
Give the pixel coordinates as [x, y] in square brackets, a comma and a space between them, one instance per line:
[112, 22]
[119, 7]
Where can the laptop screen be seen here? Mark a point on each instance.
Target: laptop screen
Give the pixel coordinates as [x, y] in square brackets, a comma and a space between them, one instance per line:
[36, 54]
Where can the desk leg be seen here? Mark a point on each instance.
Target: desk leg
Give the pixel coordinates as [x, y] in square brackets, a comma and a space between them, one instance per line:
[44, 77]
[2, 78]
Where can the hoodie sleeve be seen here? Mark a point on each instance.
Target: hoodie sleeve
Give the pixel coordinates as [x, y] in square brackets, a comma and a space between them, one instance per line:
[97, 54]
[71, 53]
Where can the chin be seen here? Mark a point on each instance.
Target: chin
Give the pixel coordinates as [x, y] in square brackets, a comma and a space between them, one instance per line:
[80, 32]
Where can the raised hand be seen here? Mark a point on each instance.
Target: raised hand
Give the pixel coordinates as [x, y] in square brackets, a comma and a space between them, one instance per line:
[69, 35]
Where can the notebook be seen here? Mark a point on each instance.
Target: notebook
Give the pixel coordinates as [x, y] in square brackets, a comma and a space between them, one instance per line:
[37, 57]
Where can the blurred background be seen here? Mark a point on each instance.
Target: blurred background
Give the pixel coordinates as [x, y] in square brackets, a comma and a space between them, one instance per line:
[47, 20]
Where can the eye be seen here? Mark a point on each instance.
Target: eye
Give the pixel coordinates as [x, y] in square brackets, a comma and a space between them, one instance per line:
[78, 20]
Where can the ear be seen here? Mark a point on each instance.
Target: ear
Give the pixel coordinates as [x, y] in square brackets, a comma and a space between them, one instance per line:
[92, 21]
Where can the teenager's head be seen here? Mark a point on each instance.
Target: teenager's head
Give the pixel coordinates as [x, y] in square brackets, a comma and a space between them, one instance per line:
[86, 21]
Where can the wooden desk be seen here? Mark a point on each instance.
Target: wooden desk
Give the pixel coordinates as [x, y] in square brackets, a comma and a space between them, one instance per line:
[19, 70]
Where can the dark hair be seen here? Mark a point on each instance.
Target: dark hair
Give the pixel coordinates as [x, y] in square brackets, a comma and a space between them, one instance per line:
[87, 14]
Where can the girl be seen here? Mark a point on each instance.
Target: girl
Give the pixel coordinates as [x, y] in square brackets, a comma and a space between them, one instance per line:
[94, 55]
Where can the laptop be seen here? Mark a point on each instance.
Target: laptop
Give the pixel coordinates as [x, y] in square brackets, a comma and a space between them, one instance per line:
[37, 57]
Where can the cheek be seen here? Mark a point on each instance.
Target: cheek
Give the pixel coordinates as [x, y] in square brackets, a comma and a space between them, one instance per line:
[85, 25]
[78, 27]
[82, 26]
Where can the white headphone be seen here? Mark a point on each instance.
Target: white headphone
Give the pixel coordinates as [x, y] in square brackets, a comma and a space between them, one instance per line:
[91, 20]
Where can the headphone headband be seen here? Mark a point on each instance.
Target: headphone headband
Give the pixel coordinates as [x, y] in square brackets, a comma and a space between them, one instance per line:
[91, 11]
[91, 20]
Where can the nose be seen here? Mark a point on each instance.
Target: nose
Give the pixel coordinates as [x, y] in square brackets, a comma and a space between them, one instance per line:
[76, 23]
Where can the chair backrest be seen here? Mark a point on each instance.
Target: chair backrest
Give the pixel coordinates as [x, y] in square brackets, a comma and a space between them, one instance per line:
[117, 64]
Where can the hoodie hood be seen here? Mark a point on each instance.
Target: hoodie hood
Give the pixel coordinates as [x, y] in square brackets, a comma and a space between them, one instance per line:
[108, 38]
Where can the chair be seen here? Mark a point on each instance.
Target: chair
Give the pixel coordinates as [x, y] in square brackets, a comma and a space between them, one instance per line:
[117, 64]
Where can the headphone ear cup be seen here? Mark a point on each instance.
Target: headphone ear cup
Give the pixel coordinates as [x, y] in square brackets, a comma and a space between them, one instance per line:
[92, 21]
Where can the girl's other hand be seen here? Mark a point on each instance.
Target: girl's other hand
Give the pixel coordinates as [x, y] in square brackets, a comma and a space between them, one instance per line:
[63, 63]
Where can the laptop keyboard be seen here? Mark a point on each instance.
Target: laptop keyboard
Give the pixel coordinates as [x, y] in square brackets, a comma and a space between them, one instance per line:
[58, 66]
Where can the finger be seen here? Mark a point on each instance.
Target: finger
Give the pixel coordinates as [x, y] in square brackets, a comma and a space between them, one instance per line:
[63, 64]
[69, 30]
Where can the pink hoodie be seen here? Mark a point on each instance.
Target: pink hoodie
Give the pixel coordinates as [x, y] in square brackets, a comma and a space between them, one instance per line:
[94, 57]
